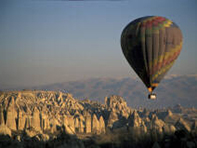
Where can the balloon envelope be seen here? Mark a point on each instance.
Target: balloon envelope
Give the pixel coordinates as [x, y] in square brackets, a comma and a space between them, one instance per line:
[151, 45]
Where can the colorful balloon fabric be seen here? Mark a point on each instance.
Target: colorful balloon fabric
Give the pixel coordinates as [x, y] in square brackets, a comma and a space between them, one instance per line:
[151, 45]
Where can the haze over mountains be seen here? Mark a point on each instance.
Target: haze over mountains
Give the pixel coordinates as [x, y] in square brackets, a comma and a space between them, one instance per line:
[171, 91]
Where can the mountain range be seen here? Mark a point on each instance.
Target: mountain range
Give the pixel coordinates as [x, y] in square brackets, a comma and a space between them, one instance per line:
[171, 91]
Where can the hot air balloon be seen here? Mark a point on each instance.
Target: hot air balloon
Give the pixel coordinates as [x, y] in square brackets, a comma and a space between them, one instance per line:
[151, 45]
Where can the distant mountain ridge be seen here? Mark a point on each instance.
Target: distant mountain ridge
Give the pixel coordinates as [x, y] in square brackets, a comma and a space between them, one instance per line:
[171, 91]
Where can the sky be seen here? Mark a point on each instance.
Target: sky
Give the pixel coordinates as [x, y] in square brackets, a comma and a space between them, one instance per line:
[51, 41]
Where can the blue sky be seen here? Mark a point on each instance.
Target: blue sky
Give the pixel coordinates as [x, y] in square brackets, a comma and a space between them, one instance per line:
[44, 42]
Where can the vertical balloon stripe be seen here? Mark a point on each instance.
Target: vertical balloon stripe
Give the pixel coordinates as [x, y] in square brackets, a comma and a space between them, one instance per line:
[165, 46]
[143, 46]
[156, 51]
[148, 43]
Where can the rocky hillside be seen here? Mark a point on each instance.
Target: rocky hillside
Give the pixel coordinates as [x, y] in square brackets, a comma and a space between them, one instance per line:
[171, 91]
[45, 114]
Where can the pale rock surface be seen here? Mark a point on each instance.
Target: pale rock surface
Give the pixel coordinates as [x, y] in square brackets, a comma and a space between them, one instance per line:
[88, 123]
[1, 115]
[21, 120]
[81, 123]
[54, 124]
[169, 113]
[4, 130]
[66, 123]
[18, 138]
[136, 122]
[169, 128]
[101, 125]
[113, 117]
[28, 122]
[31, 133]
[45, 137]
[156, 123]
[118, 104]
[76, 124]
[44, 122]
[35, 123]
[68, 130]
[11, 115]
[41, 112]
[134, 119]
[95, 124]
[69, 122]
[81, 126]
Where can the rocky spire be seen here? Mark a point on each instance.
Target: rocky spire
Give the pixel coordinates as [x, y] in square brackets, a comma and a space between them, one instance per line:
[44, 121]
[134, 119]
[169, 113]
[81, 126]
[27, 122]
[1, 115]
[11, 115]
[21, 120]
[101, 124]
[87, 122]
[156, 123]
[35, 124]
[54, 124]
[115, 102]
[95, 124]
[69, 121]
[76, 124]
[113, 117]
[136, 122]
[169, 128]
[118, 105]
[66, 123]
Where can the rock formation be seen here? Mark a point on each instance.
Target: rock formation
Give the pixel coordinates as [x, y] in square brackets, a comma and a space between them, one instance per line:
[95, 125]
[4, 130]
[88, 123]
[168, 128]
[67, 126]
[35, 123]
[118, 104]
[1, 115]
[156, 124]
[181, 124]
[135, 121]
[69, 123]
[101, 125]
[42, 114]
[44, 122]
[11, 115]
[28, 122]
[21, 120]
[113, 117]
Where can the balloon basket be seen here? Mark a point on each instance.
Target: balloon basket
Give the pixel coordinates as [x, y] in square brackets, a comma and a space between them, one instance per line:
[152, 96]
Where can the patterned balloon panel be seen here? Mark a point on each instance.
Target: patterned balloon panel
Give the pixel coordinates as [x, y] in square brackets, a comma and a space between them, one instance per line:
[151, 45]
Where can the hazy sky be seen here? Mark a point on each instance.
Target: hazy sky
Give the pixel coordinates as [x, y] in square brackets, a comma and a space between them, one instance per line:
[45, 41]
